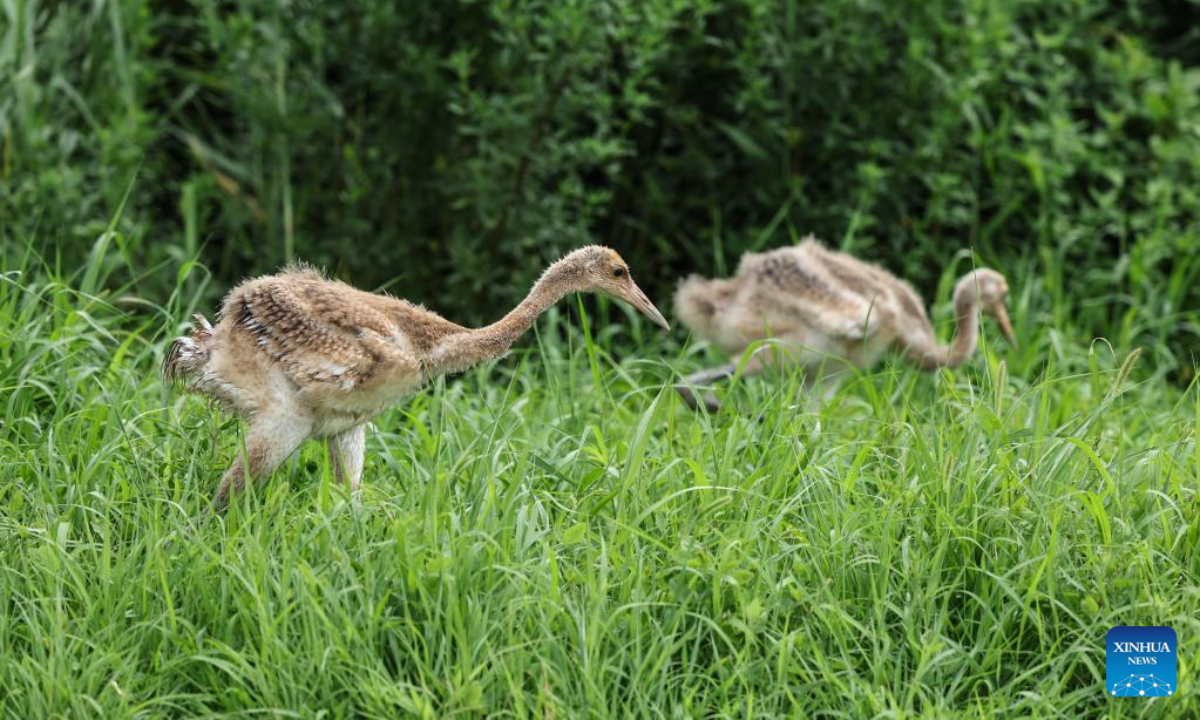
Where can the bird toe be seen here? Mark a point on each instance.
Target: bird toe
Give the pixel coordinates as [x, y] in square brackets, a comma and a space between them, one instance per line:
[687, 395]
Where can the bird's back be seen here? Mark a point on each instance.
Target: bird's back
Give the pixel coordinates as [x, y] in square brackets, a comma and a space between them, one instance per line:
[832, 288]
[346, 349]
[811, 295]
[307, 309]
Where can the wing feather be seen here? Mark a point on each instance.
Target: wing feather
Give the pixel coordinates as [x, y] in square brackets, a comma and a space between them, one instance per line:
[787, 277]
[311, 342]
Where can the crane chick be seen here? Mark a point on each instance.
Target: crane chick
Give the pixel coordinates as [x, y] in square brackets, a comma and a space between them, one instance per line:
[827, 309]
[300, 356]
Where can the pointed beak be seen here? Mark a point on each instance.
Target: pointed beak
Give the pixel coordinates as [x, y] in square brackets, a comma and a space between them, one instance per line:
[1001, 313]
[638, 299]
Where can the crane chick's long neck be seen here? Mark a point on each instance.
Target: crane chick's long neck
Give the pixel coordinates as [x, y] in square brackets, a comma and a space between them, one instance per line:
[966, 330]
[504, 332]
[463, 350]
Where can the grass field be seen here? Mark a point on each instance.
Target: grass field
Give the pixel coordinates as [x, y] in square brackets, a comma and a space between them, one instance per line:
[556, 536]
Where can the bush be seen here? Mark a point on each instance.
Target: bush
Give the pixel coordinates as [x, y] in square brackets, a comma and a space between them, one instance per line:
[449, 149]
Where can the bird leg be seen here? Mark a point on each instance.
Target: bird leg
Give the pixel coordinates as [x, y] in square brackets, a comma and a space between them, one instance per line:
[268, 443]
[346, 451]
[822, 387]
[703, 378]
[754, 366]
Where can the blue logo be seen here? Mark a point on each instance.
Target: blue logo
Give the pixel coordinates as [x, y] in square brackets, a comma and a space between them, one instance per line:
[1141, 662]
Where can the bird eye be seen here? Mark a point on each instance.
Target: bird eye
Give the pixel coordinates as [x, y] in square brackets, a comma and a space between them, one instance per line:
[619, 272]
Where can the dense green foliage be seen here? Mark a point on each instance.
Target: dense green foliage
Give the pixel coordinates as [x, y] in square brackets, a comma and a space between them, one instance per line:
[555, 536]
[449, 148]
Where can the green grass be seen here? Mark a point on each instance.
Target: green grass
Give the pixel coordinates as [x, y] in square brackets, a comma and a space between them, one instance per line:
[555, 536]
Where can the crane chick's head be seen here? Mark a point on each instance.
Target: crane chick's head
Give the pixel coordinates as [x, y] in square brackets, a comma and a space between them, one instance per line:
[992, 291]
[599, 269]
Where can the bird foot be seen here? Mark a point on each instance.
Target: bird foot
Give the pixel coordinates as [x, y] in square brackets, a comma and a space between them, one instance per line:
[710, 403]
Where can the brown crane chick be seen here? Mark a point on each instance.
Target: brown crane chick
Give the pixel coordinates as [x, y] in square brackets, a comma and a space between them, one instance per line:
[300, 356]
[827, 310]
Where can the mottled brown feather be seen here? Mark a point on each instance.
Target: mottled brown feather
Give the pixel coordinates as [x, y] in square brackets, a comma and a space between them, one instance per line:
[308, 341]
[828, 304]
[301, 356]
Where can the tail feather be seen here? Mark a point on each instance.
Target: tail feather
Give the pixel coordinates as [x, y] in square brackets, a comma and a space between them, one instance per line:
[698, 301]
[187, 354]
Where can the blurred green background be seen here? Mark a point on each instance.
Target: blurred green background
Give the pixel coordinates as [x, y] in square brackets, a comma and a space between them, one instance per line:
[447, 149]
